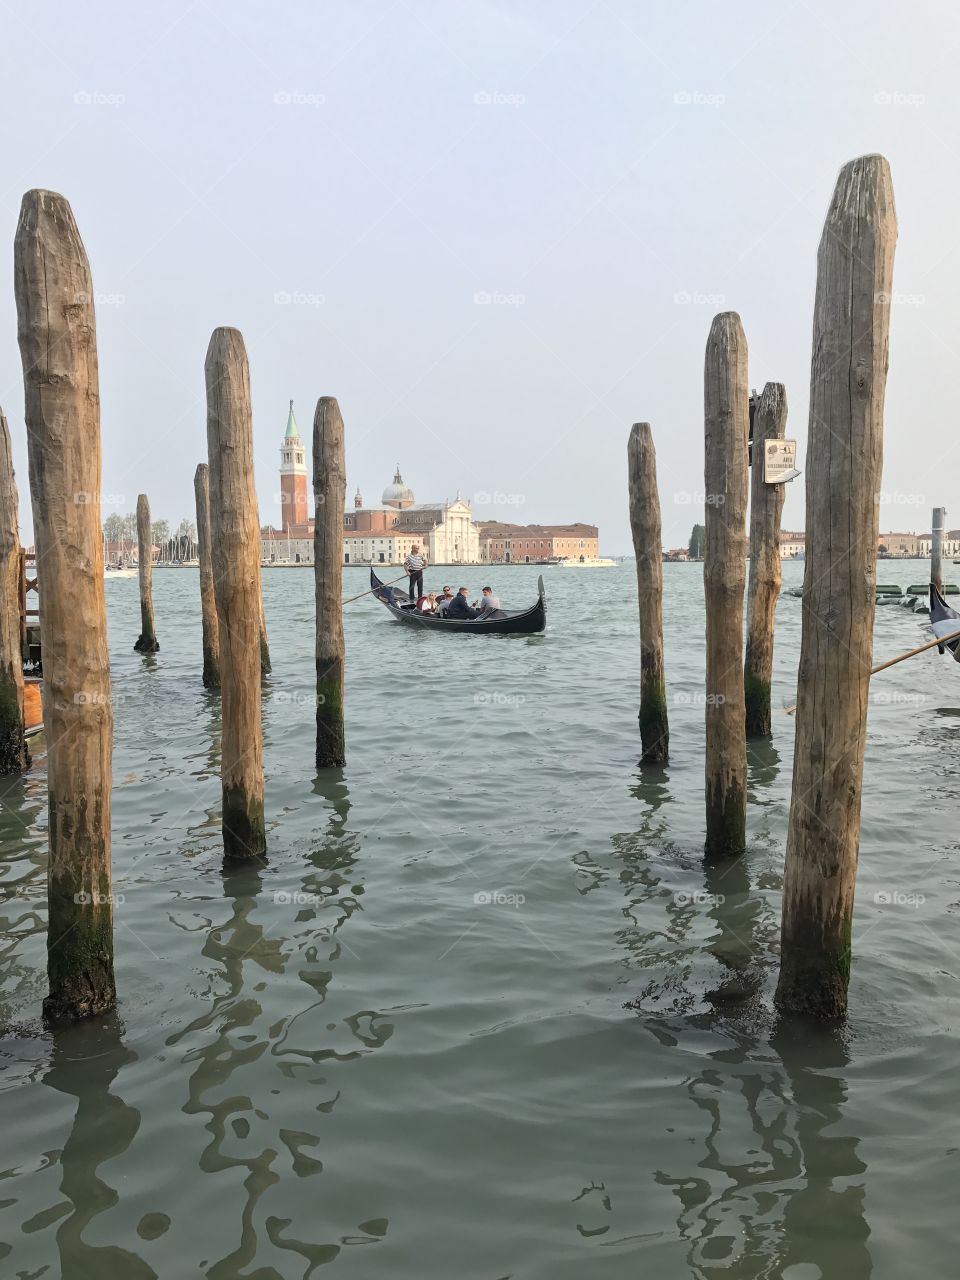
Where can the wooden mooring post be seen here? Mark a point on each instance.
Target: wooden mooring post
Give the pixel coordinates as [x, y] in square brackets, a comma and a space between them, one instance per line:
[648, 548]
[208, 603]
[936, 548]
[329, 490]
[56, 328]
[844, 460]
[763, 588]
[147, 640]
[726, 435]
[13, 747]
[235, 545]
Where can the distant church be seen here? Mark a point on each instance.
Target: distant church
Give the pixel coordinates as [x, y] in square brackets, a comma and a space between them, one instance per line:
[372, 535]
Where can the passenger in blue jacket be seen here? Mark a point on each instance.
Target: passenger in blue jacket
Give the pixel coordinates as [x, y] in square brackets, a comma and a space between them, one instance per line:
[459, 606]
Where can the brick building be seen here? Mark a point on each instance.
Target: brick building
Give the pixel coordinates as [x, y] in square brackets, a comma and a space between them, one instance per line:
[502, 543]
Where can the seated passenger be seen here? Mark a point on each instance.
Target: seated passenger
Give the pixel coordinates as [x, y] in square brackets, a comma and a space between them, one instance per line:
[428, 603]
[459, 607]
[489, 605]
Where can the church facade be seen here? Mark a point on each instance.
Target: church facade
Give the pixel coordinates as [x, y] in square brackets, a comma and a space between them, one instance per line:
[382, 534]
[444, 530]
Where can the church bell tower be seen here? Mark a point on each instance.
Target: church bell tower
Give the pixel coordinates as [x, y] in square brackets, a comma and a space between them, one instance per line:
[293, 477]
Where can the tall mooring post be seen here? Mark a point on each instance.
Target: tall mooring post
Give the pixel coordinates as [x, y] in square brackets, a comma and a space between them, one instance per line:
[13, 747]
[235, 541]
[648, 549]
[936, 548]
[763, 588]
[147, 640]
[727, 430]
[56, 328]
[208, 604]
[330, 490]
[851, 324]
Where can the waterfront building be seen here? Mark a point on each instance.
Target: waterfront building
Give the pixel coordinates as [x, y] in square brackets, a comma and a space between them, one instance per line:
[445, 530]
[900, 546]
[503, 543]
[950, 545]
[792, 545]
[380, 534]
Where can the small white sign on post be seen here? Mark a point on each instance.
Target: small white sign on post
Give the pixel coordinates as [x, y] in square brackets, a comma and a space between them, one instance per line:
[779, 461]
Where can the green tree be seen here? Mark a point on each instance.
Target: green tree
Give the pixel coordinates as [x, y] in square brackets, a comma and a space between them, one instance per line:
[113, 527]
[695, 545]
[160, 535]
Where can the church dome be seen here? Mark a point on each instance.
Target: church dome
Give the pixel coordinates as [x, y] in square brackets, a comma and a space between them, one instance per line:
[397, 494]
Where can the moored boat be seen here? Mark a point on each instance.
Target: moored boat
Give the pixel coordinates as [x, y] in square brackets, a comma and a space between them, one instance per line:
[32, 707]
[510, 621]
[586, 562]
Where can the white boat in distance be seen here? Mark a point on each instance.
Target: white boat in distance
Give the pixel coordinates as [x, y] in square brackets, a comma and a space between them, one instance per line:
[586, 562]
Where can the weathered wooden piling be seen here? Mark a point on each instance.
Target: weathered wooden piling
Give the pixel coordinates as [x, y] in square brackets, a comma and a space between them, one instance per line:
[147, 640]
[726, 435]
[13, 748]
[763, 588]
[844, 460]
[235, 545]
[329, 490]
[648, 548]
[56, 328]
[936, 548]
[208, 603]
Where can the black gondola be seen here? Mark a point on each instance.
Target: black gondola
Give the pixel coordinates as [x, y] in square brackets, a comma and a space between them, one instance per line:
[511, 622]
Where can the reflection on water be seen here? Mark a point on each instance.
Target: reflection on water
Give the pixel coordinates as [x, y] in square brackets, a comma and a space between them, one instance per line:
[775, 1187]
[793, 1197]
[84, 1064]
[339, 1049]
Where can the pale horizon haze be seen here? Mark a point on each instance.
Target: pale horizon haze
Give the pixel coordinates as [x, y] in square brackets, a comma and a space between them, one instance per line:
[497, 233]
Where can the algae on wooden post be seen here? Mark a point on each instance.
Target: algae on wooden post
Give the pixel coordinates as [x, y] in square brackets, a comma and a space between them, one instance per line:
[766, 508]
[56, 328]
[329, 487]
[727, 427]
[848, 374]
[648, 548]
[235, 541]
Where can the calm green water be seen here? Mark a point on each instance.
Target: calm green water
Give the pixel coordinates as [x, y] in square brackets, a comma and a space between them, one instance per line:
[344, 1058]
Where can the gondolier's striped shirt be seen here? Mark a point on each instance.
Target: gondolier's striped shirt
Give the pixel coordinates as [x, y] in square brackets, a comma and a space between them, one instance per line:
[414, 562]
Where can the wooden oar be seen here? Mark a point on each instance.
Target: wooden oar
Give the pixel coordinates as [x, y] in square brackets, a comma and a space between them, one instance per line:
[372, 589]
[892, 662]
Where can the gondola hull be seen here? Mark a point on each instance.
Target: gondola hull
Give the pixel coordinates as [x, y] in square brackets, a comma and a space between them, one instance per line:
[517, 622]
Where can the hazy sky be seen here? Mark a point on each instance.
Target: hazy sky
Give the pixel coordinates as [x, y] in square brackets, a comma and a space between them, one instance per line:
[497, 232]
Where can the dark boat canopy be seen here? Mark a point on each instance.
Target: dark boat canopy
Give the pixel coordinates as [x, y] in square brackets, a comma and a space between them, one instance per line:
[510, 621]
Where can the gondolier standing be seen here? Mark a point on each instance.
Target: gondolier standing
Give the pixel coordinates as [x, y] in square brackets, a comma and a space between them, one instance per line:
[414, 566]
